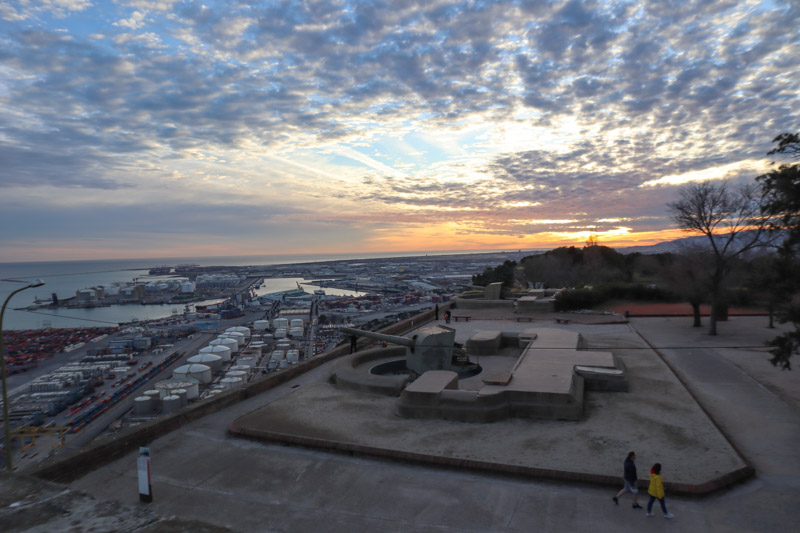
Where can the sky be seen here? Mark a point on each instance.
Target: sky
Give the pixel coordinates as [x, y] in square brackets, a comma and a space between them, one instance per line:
[147, 128]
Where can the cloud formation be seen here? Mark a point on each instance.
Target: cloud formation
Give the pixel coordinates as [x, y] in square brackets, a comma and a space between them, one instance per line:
[407, 124]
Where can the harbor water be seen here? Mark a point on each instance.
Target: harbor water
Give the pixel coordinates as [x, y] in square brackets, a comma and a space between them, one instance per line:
[64, 278]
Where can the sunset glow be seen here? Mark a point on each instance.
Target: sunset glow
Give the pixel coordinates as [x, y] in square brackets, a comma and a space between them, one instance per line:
[137, 128]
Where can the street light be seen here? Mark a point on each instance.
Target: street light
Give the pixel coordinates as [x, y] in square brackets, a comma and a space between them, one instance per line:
[6, 421]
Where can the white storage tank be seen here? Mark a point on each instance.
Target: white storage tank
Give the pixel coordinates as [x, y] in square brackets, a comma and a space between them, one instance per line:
[249, 362]
[214, 362]
[238, 336]
[261, 325]
[181, 393]
[152, 392]
[167, 387]
[296, 333]
[187, 287]
[280, 333]
[170, 404]
[231, 344]
[234, 368]
[239, 329]
[296, 323]
[238, 374]
[277, 355]
[230, 383]
[201, 373]
[223, 351]
[282, 323]
[143, 406]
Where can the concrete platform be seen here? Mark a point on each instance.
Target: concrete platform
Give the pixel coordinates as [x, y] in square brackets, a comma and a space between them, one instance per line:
[701, 460]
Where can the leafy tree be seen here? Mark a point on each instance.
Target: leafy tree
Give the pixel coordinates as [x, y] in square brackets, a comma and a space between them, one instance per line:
[503, 273]
[781, 190]
[731, 219]
[571, 266]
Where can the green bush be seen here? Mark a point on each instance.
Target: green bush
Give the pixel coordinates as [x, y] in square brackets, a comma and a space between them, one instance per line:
[587, 298]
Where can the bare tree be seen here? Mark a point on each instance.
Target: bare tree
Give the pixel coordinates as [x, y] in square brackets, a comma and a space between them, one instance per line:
[731, 218]
[687, 276]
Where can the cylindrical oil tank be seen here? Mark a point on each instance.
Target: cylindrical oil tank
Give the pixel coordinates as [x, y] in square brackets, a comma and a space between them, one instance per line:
[241, 368]
[249, 362]
[152, 392]
[231, 344]
[240, 329]
[240, 374]
[238, 336]
[191, 387]
[282, 323]
[181, 393]
[143, 406]
[170, 404]
[296, 323]
[277, 355]
[222, 350]
[214, 362]
[283, 363]
[261, 325]
[254, 348]
[280, 333]
[295, 333]
[266, 337]
[201, 373]
[230, 383]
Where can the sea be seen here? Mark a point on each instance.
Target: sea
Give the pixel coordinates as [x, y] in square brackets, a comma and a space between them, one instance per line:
[64, 278]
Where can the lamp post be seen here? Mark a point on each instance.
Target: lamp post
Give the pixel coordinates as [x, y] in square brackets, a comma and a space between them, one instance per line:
[6, 421]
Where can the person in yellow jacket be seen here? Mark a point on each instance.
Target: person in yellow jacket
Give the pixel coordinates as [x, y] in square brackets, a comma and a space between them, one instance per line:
[656, 492]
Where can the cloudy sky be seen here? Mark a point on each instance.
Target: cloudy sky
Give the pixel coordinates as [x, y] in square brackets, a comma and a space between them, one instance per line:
[147, 128]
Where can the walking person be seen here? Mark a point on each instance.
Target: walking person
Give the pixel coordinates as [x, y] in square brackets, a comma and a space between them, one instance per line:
[656, 492]
[353, 343]
[631, 480]
[436, 311]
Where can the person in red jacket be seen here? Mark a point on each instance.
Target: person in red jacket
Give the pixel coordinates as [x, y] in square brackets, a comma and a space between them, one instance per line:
[656, 492]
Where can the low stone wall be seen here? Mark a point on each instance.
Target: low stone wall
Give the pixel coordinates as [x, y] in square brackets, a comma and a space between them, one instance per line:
[470, 303]
[346, 372]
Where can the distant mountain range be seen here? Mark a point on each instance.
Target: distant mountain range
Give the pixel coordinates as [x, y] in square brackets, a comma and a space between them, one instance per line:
[674, 246]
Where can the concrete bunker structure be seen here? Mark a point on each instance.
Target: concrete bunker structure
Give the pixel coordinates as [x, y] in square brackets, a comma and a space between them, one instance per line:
[431, 348]
[547, 379]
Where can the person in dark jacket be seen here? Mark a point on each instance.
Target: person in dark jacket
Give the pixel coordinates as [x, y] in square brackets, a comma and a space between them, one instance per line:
[631, 480]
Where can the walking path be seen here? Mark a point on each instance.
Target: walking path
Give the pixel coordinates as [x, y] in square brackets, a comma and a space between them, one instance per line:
[760, 423]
